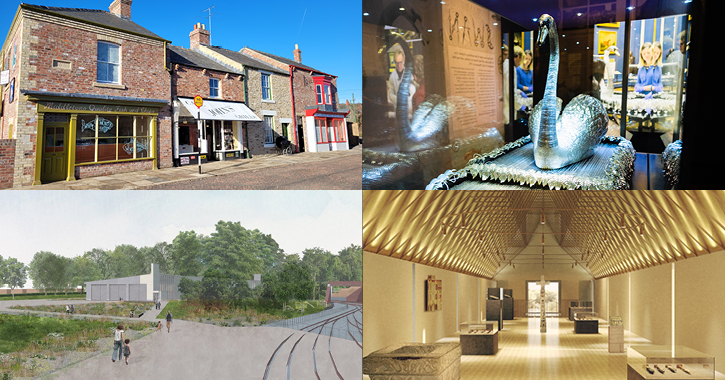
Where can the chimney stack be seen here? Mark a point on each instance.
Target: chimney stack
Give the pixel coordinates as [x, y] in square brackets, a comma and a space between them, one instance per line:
[298, 54]
[199, 36]
[121, 8]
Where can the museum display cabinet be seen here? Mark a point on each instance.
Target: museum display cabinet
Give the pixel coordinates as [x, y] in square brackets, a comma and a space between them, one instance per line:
[586, 322]
[445, 109]
[615, 335]
[578, 309]
[434, 361]
[479, 341]
[668, 362]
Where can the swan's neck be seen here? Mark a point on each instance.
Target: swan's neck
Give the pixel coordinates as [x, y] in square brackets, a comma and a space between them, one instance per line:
[547, 129]
[402, 107]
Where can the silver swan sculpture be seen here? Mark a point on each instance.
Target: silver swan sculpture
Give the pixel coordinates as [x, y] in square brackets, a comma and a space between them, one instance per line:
[563, 138]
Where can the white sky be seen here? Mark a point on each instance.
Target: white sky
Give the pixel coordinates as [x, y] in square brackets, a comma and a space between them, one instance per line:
[69, 223]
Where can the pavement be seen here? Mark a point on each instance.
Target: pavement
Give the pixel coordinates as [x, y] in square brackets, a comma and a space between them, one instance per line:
[202, 351]
[175, 175]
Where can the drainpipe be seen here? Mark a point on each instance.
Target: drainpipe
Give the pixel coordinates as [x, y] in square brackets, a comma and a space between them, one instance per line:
[174, 124]
[246, 97]
[294, 114]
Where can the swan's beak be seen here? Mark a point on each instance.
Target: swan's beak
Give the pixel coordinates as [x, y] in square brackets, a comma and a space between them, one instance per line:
[543, 32]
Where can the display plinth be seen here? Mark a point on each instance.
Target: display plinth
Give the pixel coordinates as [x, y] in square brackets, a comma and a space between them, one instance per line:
[512, 167]
[415, 361]
[616, 339]
[479, 342]
[668, 362]
[586, 326]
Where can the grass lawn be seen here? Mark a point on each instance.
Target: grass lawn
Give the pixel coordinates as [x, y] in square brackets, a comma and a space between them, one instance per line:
[115, 308]
[24, 339]
[232, 313]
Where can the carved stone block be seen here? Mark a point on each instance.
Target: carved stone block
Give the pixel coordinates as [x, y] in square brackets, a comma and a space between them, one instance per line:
[415, 361]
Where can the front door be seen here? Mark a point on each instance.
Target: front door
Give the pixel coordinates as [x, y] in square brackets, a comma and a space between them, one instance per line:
[55, 152]
[301, 138]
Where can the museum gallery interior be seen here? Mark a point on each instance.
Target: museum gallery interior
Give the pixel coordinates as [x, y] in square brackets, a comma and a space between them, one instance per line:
[544, 284]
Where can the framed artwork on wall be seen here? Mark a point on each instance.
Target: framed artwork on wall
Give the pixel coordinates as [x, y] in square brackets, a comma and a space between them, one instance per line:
[433, 294]
[607, 38]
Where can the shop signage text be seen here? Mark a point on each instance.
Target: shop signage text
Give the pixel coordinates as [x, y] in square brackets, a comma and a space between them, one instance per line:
[89, 107]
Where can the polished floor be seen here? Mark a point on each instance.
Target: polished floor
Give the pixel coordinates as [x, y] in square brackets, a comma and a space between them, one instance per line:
[525, 353]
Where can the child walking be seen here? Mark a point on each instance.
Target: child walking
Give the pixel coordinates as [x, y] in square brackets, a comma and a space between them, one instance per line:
[126, 349]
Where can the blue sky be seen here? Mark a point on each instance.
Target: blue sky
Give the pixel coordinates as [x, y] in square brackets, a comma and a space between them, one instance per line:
[329, 33]
[70, 223]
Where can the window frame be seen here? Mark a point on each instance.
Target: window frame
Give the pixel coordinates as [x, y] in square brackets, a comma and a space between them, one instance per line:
[266, 90]
[211, 88]
[320, 97]
[99, 62]
[268, 129]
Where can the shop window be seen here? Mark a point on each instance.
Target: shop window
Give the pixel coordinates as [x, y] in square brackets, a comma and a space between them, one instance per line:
[213, 88]
[103, 138]
[109, 63]
[268, 130]
[340, 130]
[321, 130]
[266, 87]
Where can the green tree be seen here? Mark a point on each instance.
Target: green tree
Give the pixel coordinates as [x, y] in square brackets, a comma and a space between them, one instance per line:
[316, 260]
[158, 254]
[351, 258]
[102, 260]
[189, 288]
[185, 254]
[13, 274]
[48, 270]
[286, 282]
[83, 269]
[235, 253]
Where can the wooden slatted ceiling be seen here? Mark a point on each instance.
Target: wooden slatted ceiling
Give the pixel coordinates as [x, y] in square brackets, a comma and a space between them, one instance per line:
[409, 225]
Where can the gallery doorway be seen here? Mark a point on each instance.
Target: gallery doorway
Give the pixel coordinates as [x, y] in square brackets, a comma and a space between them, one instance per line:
[552, 299]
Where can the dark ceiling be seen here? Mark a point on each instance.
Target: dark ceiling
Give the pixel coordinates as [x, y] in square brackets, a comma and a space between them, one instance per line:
[577, 13]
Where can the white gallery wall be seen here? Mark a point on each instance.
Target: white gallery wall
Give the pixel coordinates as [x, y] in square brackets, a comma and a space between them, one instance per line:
[394, 302]
[694, 289]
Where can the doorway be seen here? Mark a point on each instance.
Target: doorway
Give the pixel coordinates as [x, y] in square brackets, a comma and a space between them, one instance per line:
[300, 138]
[552, 299]
[54, 166]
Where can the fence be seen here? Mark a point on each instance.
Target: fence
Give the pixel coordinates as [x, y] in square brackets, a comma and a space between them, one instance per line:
[342, 329]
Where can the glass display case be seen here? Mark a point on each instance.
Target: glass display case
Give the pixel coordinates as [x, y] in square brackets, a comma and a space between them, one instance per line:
[474, 72]
[668, 362]
[585, 315]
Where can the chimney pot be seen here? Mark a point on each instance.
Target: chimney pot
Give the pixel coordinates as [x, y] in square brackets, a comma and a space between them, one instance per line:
[297, 54]
[199, 36]
[121, 8]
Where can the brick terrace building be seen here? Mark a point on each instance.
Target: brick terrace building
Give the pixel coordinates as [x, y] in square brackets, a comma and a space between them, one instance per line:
[224, 115]
[320, 127]
[88, 95]
[267, 92]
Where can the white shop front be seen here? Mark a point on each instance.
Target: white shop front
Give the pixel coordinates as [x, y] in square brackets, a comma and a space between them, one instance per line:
[215, 131]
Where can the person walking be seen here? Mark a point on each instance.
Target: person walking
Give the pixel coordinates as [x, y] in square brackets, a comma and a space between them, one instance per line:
[126, 350]
[117, 343]
[169, 319]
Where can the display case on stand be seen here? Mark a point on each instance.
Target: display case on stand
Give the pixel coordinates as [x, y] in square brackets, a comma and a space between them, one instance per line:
[586, 323]
[616, 335]
[668, 362]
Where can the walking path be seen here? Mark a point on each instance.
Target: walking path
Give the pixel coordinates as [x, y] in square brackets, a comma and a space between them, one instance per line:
[201, 351]
[143, 179]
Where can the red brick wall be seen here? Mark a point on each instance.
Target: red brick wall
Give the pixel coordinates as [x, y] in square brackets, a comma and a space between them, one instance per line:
[44, 39]
[142, 63]
[7, 163]
[97, 170]
[191, 81]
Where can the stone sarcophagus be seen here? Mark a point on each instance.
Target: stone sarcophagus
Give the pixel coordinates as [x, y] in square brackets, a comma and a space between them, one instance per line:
[415, 361]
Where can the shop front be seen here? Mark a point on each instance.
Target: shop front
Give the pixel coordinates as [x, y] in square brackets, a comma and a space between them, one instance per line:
[212, 132]
[329, 130]
[79, 138]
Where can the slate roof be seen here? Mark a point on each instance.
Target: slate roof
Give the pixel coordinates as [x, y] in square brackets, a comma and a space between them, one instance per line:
[183, 56]
[247, 60]
[291, 62]
[96, 16]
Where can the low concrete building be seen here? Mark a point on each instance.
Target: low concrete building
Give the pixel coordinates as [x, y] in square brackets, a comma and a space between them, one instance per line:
[148, 287]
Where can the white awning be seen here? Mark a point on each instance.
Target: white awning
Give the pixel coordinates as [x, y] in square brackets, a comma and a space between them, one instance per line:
[216, 110]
